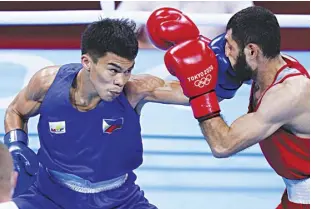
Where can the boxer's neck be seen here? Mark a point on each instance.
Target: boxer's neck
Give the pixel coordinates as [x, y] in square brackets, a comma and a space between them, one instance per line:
[85, 89]
[267, 70]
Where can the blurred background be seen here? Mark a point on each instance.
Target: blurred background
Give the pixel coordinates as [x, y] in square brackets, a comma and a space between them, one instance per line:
[68, 36]
[179, 171]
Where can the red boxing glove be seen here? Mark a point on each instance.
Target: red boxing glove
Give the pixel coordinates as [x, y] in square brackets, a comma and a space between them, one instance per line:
[167, 27]
[195, 65]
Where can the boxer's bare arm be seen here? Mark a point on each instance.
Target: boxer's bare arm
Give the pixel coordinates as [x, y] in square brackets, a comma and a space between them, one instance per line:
[144, 88]
[284, 104]
[27, 102]
[147, 88]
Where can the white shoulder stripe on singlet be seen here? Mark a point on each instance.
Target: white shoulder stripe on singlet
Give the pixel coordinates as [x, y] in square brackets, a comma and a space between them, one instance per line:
[285, 72]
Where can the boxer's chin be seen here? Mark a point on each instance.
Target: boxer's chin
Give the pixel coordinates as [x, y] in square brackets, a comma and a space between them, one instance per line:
[242, 70]
[244, 74]
[109, 96]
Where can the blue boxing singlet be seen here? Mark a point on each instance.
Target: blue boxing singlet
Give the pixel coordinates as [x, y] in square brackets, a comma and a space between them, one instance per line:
[97, 145]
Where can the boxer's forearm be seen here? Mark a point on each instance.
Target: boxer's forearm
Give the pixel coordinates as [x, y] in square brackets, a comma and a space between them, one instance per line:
[13, 120]
[244, 132]
[22, 108]
[216, 132]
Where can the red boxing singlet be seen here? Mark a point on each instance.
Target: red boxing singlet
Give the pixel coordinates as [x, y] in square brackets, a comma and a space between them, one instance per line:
[287, 154]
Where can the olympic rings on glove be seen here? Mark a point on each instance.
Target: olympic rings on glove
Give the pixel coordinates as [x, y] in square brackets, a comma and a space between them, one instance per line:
[203, 81]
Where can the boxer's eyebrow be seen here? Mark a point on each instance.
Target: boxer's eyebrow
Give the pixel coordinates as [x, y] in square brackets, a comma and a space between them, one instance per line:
[115, 65]
[120, 68]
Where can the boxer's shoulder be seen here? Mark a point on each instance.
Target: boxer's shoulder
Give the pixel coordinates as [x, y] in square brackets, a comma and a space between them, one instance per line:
[41, 82]
[298, 81]
[290, 85]
[297, 87]
[287, 98]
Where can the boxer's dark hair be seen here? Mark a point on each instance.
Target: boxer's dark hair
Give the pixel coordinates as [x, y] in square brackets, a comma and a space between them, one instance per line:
[256, 25]
[110, 35]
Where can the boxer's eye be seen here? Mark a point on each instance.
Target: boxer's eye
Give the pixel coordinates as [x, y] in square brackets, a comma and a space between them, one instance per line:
[113, 70]
[128, 71]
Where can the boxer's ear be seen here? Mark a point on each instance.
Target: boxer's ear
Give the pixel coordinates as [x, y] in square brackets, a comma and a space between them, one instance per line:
[86, 61]
[252, 51]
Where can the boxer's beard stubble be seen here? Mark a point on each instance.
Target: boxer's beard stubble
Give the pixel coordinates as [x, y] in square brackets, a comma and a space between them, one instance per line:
[242, 70]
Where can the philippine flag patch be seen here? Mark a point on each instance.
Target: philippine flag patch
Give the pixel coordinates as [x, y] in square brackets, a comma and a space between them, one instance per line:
[110, 125]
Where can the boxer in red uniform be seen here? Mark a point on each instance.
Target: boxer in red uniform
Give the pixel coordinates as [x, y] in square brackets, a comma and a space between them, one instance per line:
[279, 110]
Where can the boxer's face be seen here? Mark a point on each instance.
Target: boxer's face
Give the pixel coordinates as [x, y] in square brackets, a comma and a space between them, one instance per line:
[237, 59]
[109, 75]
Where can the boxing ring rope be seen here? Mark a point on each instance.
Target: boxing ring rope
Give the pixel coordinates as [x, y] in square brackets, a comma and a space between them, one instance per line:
[86, 16]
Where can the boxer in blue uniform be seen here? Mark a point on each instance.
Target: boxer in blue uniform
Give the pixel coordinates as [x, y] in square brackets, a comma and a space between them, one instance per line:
[89, 128]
